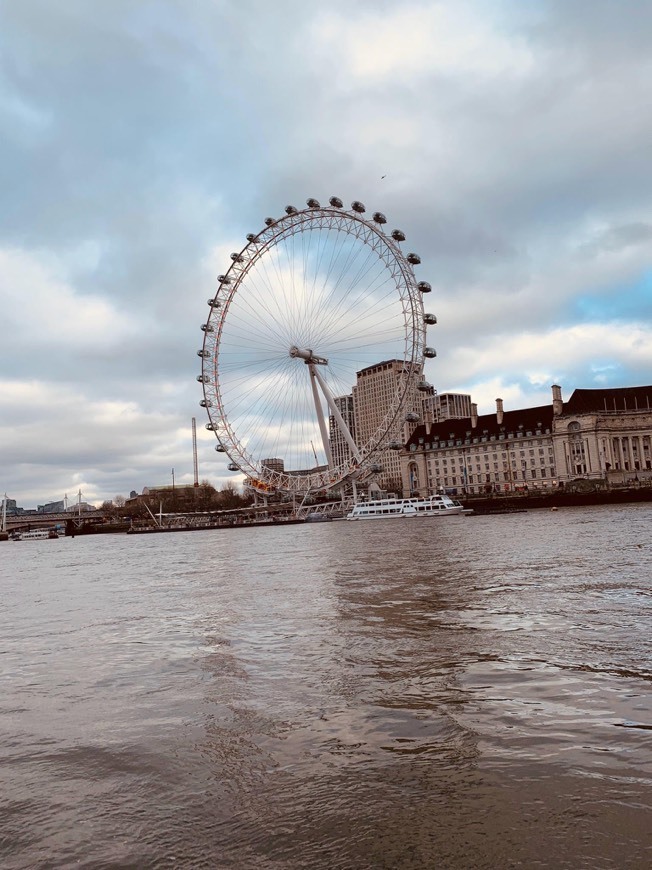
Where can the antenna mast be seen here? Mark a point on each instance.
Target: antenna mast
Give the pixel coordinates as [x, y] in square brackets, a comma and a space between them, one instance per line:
[194, 451]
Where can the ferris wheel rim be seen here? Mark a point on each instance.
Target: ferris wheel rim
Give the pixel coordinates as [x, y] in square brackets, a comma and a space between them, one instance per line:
[398, 266]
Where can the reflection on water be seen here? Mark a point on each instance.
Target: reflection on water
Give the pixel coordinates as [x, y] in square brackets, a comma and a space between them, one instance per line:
[464, 692]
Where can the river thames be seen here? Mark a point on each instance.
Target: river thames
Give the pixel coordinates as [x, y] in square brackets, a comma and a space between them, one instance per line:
[467, 692]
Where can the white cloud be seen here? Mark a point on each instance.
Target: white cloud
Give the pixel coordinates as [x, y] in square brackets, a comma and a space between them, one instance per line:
[41, 310]
[412, 41]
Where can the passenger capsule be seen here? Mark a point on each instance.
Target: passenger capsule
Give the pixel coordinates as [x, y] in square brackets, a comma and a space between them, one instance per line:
[206, 327]
[220, 449]
[269, 221]
[375, 468]
[415, 259]
[336, 202]
[210, 427]
[379, 217]
[204, 354]
[395, 445]
[203, 379]
[398, 235]
[358, 206]
[251, 237]
[223, 279]
[411, 417]
[424, 386]
[430, 319]
[429, 352]
[312, 203]
[206, 403]
[238, 258]
[290, 209]
[233, 467]
[214, 303]
[424, 287]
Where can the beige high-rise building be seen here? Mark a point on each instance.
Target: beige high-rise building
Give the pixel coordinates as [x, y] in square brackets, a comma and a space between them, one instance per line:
[372, 397]
[340, 450]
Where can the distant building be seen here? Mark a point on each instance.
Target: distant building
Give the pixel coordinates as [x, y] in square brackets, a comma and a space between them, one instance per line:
[601, 435]
[446, 406]
[373, 394]
[340, 450]
[53, 507]
[11, 507]
[275, 464]
[84, 507]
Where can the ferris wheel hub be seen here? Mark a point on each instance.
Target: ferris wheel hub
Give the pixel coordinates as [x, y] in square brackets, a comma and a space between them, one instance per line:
[307, 356]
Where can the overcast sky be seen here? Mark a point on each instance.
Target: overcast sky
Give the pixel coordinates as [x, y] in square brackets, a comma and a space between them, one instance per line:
[141, 141]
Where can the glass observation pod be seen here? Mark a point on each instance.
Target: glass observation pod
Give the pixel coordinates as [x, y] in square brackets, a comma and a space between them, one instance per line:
[219, 448]
[204, 354]
[223, 279]
[424, 287]
[429, 352]
[206, 327]
[379, 217]
[312, 203]
[411, 417]
[395, 445]
[251, 237]
[430, 319]
[415, 259]
[358, 206]
[233, 467]
[210, 427]
[237, 258]
[203, 379]
[398, 235]
[206, 403]
[375, 468]
[269, 222]
[214, 303]
[336, 202]
[290, 209]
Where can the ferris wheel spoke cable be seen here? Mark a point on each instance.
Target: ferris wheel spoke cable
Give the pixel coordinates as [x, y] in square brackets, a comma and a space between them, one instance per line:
[342, 318]
[262, 302]
[334, 290]
[348, 303]
[327, 300]
[320, 298]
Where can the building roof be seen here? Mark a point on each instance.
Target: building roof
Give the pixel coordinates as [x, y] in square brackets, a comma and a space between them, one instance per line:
[526, 419]
[618, 399]
[379, 366]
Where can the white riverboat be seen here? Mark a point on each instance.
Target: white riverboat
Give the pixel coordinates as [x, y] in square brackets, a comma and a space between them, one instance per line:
[404, 508]
[35, 535]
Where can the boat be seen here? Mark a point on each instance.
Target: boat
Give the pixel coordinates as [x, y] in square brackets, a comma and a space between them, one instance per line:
[404, 508]
[317, 517]
[36, 534]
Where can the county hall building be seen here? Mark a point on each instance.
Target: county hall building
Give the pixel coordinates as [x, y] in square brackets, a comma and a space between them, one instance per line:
[602, 435]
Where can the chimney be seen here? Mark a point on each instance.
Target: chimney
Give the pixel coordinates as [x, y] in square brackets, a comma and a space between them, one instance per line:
[428, 427]
[557, 403]
[474, 415]
[499, 411]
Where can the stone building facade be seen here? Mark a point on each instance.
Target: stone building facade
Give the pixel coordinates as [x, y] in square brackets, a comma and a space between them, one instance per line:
[600, 435]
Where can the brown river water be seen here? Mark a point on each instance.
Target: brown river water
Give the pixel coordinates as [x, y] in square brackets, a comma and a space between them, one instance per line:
[464, 692]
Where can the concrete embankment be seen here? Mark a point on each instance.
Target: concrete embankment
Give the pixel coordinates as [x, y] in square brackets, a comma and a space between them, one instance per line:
[558, 499]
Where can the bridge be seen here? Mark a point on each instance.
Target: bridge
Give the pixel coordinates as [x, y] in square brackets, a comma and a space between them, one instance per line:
[23, 522]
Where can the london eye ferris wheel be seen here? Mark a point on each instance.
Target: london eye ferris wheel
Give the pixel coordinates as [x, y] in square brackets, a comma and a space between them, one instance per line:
[317, 295]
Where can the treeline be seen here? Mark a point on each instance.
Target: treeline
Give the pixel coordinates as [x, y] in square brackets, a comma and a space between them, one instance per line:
[180, 499]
